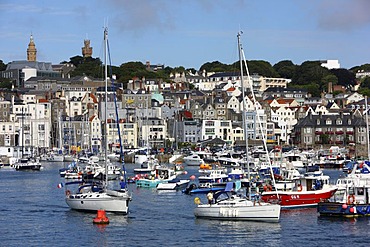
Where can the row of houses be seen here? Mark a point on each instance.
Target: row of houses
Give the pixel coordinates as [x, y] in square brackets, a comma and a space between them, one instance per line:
[51, 109]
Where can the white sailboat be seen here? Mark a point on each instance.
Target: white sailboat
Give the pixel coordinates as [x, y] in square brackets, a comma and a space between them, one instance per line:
[94, 196]
[227, 205]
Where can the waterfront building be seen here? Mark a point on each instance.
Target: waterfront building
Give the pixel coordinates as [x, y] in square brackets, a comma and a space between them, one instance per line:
[340, 129]
[212, 128]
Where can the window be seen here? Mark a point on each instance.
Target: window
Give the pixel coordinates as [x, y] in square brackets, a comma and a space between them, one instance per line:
[328, 121]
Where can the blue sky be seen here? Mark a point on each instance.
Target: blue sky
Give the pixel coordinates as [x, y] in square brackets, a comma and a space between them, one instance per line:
[189, 33]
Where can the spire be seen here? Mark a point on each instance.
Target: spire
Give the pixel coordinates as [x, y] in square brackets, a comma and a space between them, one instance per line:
[31, 51]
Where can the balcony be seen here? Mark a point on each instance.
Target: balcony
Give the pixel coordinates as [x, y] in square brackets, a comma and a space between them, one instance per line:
[338, 142]
[349, 132]
[319, 132]
[329, 132]
[339, 132]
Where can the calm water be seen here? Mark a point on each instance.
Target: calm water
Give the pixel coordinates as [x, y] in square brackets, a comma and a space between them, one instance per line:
[34, 213]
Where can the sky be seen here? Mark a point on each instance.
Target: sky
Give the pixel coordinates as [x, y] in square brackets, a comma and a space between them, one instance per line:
[188, 33]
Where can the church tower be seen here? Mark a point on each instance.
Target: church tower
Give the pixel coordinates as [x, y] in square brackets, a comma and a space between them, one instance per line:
[31, 51]
[86, 50]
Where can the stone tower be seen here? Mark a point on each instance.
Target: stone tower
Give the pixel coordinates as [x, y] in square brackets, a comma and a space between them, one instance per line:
[86, 50]
[31, 51]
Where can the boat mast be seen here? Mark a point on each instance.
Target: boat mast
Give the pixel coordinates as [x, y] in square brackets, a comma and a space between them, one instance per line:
[105, 105]
[367, 128]
[243, 113]
[259, 120]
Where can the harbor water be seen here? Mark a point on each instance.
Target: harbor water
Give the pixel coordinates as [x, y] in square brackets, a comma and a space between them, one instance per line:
[34, 213]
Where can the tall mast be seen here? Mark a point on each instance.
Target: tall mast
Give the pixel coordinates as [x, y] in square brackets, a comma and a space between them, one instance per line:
[245, 130]
[367, 128]
[105, 105]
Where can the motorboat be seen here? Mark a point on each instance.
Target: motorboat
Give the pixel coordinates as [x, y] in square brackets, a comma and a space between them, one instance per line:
[352, 197]
[193, 160]
[176, 184]
[29, 164]
[147, 166]
[160, 174]
[227, 205]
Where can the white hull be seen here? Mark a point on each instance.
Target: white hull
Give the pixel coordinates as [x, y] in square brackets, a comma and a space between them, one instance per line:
[110, 201]
[173, 186]
[57, 158]
[68, 158]
[140, 158]
[265, 212]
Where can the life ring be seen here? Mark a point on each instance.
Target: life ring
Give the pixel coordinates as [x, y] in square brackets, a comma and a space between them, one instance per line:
[351, 199]
[267, 188]
[300, 188]
[68, 192]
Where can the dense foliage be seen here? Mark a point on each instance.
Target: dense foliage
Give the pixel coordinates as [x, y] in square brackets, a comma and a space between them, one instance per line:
[310, 75]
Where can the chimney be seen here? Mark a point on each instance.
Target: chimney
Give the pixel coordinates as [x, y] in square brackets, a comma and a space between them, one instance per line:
[330, 87]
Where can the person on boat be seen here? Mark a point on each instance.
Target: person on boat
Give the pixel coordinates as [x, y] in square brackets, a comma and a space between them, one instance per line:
[122, 183]
[210, 197]
[256, 197]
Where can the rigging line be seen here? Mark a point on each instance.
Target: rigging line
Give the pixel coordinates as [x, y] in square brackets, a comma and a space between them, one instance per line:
[121, 156]
[258, 118]
[244, 114]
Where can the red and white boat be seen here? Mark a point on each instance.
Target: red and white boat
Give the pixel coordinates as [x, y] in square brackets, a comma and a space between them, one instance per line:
[308, 191]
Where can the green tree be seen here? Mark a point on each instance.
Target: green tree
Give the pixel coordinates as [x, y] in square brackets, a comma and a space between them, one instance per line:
[326, 80]
[345, 77]
[215, 66]
[310, 72]
[285, 69]
[2, 65]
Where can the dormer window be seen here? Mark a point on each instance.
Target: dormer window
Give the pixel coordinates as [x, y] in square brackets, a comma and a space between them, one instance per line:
[349, 121]
[339, 121]
[328, 121]
[318, 122]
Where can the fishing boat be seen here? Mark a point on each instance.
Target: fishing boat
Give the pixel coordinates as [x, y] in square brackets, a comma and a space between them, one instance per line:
[161, 174]
[94, 196]
[307, 191]
[227, 205]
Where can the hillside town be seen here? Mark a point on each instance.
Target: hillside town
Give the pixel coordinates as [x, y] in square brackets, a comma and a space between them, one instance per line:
[48, 110]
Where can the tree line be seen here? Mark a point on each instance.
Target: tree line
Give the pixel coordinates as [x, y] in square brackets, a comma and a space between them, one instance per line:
[310, 75]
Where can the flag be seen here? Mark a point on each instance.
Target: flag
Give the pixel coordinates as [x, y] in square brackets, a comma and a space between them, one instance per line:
[59, 186]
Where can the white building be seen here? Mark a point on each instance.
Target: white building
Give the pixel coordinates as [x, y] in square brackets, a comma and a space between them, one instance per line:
[217, 129]
[331, 64]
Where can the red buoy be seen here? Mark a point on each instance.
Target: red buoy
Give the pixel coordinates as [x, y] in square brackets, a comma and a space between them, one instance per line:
[101, 218]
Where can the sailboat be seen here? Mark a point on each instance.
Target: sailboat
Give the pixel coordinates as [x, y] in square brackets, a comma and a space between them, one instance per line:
[93, 196]
[27, 163]
[227, 204]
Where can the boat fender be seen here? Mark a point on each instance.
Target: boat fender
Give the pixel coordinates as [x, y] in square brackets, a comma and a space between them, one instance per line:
[197, 200]
[351, 199]
[300, 188]
[68, 192]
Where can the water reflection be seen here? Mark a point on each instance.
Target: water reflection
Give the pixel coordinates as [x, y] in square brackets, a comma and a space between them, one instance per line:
[240, 232]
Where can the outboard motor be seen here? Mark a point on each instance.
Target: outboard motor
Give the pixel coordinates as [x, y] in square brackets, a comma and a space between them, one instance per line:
[189, 188]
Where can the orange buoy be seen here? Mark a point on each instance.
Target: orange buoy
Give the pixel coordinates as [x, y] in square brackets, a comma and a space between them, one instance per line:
[101, 218]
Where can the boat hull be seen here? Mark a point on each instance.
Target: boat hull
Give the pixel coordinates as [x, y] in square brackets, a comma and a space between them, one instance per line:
[266, 213]
[336, 209]
[295, 199]
[92, 202]
[173, 186]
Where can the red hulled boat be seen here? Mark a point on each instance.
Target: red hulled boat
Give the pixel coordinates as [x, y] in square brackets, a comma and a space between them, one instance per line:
[308, 191]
